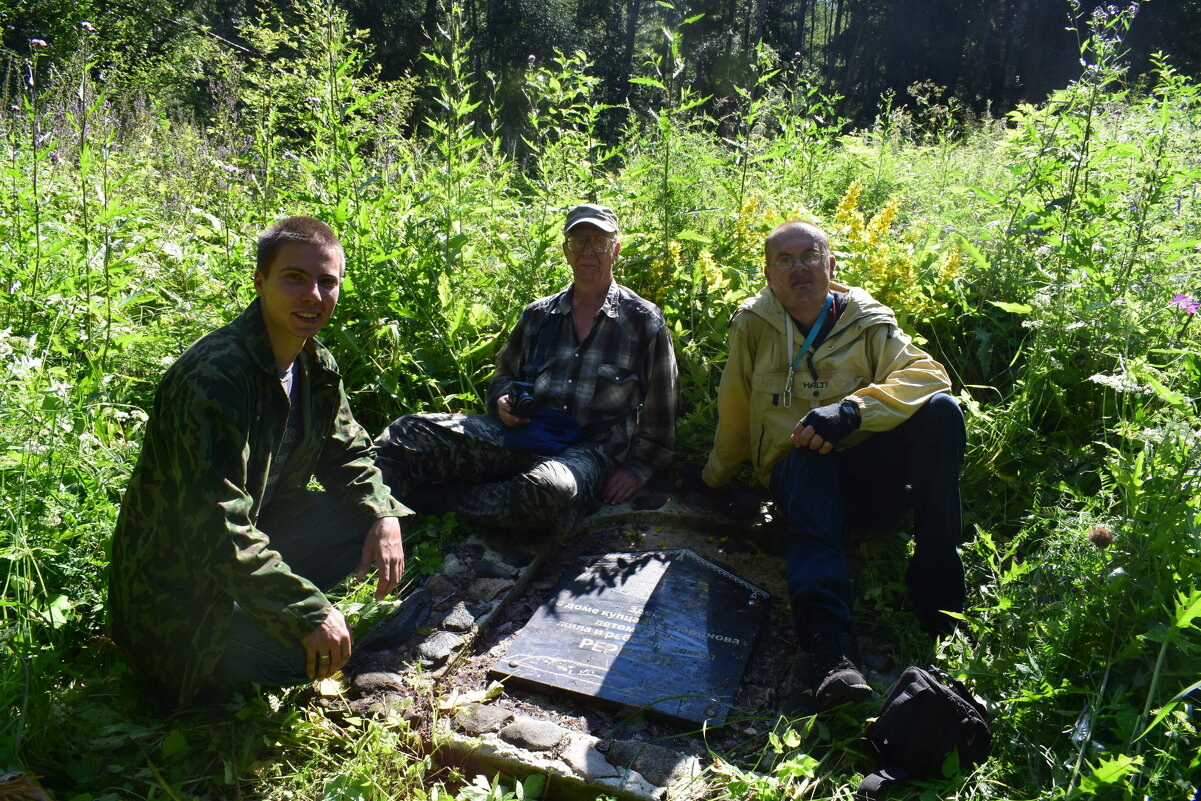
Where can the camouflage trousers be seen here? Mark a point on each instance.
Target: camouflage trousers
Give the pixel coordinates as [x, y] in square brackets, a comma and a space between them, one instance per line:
[319, 539]
[438, 463]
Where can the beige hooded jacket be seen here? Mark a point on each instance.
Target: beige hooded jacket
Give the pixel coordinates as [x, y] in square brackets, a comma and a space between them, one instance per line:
[866, 358]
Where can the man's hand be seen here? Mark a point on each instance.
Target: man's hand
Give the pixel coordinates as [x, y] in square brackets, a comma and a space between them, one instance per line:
[327, 647]
[824, 427]
[505, 409]
[621, 486]
[385, 548]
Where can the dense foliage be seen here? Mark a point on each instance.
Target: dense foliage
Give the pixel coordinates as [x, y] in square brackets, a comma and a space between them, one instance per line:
[1050, 259]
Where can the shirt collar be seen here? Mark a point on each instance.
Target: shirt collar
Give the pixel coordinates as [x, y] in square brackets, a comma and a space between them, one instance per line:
[609, 307]
[253, 331]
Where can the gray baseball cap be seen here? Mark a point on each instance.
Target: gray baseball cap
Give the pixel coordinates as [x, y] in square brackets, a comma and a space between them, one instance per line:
[600, 216]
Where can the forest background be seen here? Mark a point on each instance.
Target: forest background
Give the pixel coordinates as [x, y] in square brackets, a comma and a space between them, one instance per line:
[1020, 180]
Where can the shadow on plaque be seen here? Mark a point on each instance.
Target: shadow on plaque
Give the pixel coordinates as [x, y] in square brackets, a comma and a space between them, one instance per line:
[667, 631]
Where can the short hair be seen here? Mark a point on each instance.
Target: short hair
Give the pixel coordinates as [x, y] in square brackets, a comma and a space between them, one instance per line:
[306, 230]
[813, 229]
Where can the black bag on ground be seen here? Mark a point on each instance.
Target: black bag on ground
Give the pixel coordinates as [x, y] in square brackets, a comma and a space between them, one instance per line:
[926, 716]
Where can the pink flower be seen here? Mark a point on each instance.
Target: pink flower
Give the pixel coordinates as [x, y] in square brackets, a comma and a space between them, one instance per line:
[37, 42]
[1186, 304]
[87, 26]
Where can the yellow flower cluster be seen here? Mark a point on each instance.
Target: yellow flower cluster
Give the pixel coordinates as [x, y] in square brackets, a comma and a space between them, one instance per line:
[883, 263]
[660, 276]
[752, 224]
[705, 276]
[746, 243]
[710, 275]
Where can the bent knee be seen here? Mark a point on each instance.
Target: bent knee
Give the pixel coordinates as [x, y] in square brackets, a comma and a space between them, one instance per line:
[552, 484]
[943, 410]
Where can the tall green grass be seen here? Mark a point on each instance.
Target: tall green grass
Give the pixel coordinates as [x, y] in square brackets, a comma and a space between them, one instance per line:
[1037, 256]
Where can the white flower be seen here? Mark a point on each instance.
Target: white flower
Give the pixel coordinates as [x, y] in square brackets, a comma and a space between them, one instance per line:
[1120, 383]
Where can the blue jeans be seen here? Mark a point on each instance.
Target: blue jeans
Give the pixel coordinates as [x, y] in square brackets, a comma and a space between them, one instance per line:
[914, 466]
[320, 540]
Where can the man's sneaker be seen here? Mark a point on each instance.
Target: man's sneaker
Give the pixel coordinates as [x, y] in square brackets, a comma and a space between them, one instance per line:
[835, 668]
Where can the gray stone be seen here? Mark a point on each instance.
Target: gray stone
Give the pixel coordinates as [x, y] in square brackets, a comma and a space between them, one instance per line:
[657, 764]
[368, 707]
[631, 785]
[486, 589]
[377, 682]
[533, 735]
[453, 566]
[586, 761]
[440, 589]
[474, 547]
[438, 647]
[486, 568]
[485, 718]
[458, 618]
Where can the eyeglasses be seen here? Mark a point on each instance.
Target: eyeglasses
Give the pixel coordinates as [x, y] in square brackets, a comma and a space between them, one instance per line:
[811, 258]
[599, 244]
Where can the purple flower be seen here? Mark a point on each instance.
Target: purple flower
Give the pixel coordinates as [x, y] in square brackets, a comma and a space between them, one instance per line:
[37, 42]
[87, 26]
[1186, 304]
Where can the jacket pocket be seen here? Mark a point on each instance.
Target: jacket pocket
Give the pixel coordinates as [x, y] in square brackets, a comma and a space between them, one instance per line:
[616, 389]
[768, 388]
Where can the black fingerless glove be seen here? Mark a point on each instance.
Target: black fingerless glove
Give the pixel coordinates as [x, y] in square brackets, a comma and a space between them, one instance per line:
[834, 421]
[689, 476]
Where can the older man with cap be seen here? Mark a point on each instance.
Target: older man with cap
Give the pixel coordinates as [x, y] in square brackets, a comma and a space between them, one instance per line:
[582, 405]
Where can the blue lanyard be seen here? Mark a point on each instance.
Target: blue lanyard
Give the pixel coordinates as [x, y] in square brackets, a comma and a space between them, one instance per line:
[817, 326]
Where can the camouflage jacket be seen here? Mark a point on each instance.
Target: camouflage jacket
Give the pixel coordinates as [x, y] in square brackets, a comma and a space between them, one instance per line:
[186, 546]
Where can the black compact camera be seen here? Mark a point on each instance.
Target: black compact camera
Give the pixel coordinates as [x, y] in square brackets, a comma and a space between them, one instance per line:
[522, 400]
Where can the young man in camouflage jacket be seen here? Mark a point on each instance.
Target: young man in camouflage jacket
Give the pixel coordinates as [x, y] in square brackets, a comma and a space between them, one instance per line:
[221, 554]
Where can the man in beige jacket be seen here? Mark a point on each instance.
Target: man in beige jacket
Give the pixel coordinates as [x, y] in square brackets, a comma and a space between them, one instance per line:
[839, 413]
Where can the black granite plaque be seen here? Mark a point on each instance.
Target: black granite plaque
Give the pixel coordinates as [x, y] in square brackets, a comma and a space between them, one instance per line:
[665, 630]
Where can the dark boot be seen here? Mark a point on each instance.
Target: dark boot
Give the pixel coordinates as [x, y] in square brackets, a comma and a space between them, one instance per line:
[837, 678]
[936, 624]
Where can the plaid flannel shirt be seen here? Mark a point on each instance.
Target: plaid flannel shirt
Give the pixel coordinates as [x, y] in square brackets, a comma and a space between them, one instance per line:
[620, 383]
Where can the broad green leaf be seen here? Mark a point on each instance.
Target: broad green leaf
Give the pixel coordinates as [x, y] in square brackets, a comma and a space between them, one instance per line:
[1113, 770]
[1013, 308]
[1188, 609]
[649, 82]
[175, 744]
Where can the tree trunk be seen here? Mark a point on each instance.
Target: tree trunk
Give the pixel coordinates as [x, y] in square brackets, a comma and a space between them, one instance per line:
[627, 60]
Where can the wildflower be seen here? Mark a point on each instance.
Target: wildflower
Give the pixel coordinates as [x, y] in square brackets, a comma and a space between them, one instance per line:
[1101, 536]
[87, 26]
[1185, 303]
[531, 58]
[1120, 383]
[37, 42]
